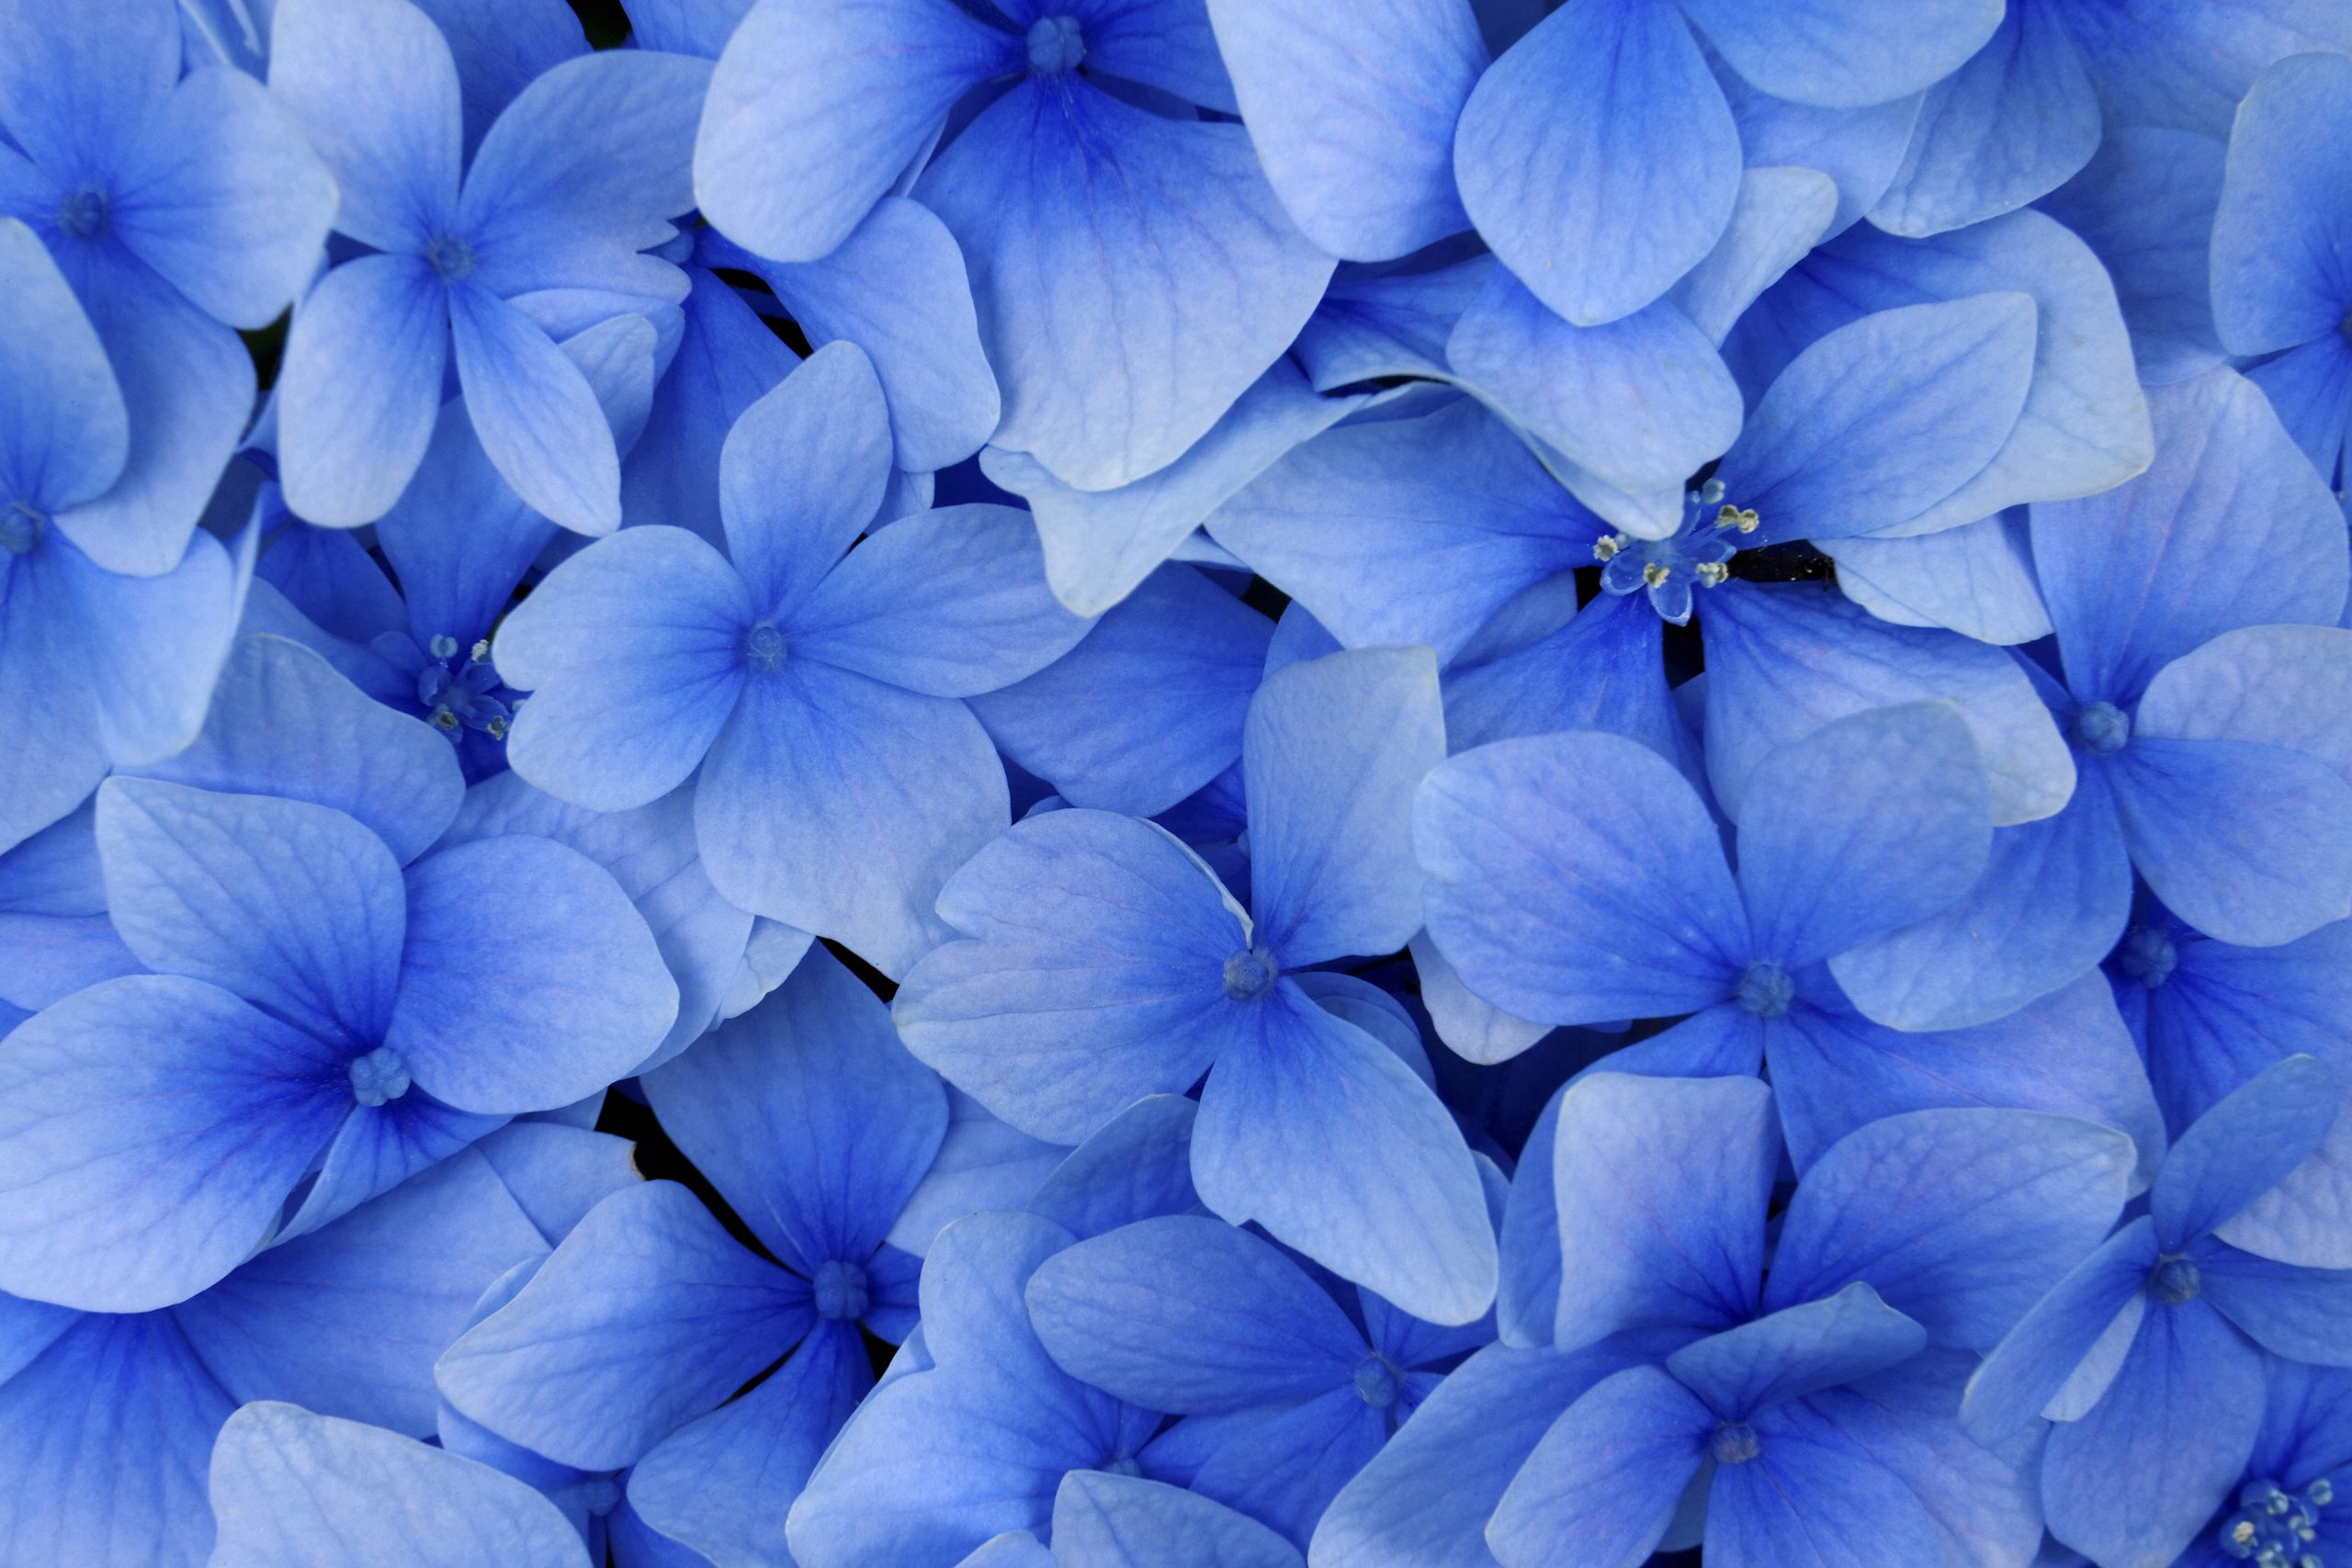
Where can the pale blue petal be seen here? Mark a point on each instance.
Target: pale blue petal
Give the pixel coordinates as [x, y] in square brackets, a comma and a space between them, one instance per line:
[647, 1317]
[629, 688]
[292, 907]
[1284, 1464]
[1092, 976]
[1661, 1185]
[2223, 1163]
[65, 432]
[529, 979]
[1122, 1521]
[800, 476]
[378, 1148]
[294, 1490]
[2145, 203]
[2282, 237]
[1316, 1130]
[1781, 213]
[1599, 159]
[1869, 823]
[374, 86]
[1845, 53]
[982, 1164]
[840, 805]
[1332, 751]
[2303, 1314]
[1788, 1507]
[1353, 116]
[1977, 578]
[1547, 906]
[2310, 388]
[2039, 1359]
[815, 108]
[1797, 1350]
[1606, 1476]
[1133, 275]
[725, 359]
[502, 45]
[360, 387]
[535, 414]
[153, 1126]
[1963, 1220]
[1602, 670]
[75, 85]
[1138, 1167]
[1859, 149]
[949, 604]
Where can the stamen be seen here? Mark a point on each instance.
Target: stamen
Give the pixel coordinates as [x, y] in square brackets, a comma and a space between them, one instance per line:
[2273, 1527]
[1743, 518]
[1607, 547]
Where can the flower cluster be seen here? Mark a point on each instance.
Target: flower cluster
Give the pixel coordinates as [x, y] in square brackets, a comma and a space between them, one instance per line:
[1175, 784]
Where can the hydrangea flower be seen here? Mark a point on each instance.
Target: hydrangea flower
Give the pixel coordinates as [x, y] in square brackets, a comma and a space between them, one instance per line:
[179, 208]
[484, 261]
[844, 776]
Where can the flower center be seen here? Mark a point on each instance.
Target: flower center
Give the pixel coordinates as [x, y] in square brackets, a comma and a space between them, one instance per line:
[1733, 1443]
[1376, 1382]
[1056, 45]
[2174, 1280]
[450, 256]
[1766, 989]
[1695, 555]
[21, 527]
[2274, 1528]
[83, 214]
[2147, 955]
[379, 1078]
[2101, 728]
[460, 696]
[1249, 974]
[840, 1291]
[764, 648]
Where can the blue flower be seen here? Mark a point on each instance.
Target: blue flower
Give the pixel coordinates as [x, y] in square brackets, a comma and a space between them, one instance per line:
[1132, 270]
[2292, 1508]
[844, 776]
[178, 207]
[96, 669]
[2148, 1358]
[1102, 961]
[537, 237]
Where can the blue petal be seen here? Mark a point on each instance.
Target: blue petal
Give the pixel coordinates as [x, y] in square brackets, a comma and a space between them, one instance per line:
[647, 1316]
[1553, 904]
[721, 1484]
[2058, 1341]
[1332, 751]
[528, 981]
[1784, 660]
[1317, 1131]
[1869, 823]
[896, 289]
[2145, 203]
[2223, 1163]
[74, 86]
[1133, 275]
[375, 89]
[1601, 671]
[535, 414]
[501, 46]
[800, 476]
[2054, 897]
[1885, 417]
[2142, 574]
[724, 360]
[1781, 214]
[2136, 1479]
[808, 1115]
[1093, 977]
[1282, 1465]
[64, 432]
[2278, 237]
[292, 907]
[1797, 1350]
[949, 604]
[2309, 388]
[632, 651]
[291, 1489]
[1661, 1185]
[1354, 117]
[1859, 149]
[982, 1164]
[2068, 1052]
[1121, 1521]
[1599, 159]
[153, 1126]
[1606, 1476]
[1788, 1508]
[1100, 544]
[459, 539]
[2011, 124]
[377, 1149]
[283, 722]
[106, 1434]
[1977, 578]
[2303, 1314]
[1138, 1167]
[224, 197]
[349, 1319]
[814, 110]
[1640, 401]
[1844, 53]
[1191, 1315]
[1148, 708]
[1961, 1219]
[1409, 530]
[359, 389]
[840, 805]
